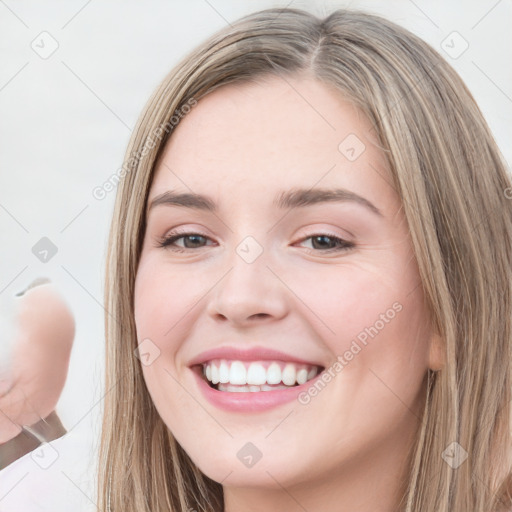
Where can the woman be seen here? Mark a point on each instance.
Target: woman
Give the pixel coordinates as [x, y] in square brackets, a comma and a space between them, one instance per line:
[281, 130]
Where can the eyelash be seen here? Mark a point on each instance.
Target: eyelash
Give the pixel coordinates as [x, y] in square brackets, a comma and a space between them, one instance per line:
[166, 242]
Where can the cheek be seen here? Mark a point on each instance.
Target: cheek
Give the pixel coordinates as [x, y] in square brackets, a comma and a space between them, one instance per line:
[163, 303]
[373, 316]
[163, 309]
[163, 298]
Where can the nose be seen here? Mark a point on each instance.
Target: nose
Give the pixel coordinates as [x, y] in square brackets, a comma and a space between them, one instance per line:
[249, 292]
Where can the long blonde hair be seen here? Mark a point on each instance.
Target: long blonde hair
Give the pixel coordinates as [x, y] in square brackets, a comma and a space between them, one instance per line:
[454, 188]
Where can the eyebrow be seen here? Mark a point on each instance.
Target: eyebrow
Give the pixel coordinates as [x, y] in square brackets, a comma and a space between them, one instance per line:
[294, 198]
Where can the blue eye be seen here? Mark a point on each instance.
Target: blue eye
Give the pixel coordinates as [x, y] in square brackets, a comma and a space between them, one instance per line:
[327, 243]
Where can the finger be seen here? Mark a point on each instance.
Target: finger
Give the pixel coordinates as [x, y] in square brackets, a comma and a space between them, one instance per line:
[36, 282]
[15, 411]
[5, 386]
[9, 429]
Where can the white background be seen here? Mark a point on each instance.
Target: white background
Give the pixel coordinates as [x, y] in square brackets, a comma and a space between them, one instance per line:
[66, 121]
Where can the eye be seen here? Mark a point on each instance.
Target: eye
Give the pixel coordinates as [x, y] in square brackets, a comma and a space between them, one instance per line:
[322, 242]
[325, 242]
[191, 241]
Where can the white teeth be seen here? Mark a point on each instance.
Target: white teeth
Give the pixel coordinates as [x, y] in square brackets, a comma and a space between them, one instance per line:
[223, 372]
[234, 389]
[256, 376]
[250, 389]
[215, 374]
[289, 375]
[302, 376]
[274, 374]
[237, 373]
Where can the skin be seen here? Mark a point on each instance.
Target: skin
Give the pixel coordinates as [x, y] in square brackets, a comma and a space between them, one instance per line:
[45, 329]
[345, 450]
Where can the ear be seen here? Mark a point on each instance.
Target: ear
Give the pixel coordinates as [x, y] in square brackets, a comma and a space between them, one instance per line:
[437, 353]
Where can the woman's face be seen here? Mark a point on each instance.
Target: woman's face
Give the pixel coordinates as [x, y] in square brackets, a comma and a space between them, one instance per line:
[255, 276]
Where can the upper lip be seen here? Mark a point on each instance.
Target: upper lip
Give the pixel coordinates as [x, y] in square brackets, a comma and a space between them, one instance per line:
[252, 354]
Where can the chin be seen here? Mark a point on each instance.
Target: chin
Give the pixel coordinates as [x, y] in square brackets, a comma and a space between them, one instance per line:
[241, 464]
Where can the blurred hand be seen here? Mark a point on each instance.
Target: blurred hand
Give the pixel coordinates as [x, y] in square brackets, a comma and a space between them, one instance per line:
[45, 329]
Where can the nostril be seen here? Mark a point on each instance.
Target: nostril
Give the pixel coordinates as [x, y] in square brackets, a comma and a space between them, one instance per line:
[259, 315]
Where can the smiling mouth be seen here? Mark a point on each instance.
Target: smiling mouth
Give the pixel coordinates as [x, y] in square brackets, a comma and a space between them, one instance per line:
[254, 376]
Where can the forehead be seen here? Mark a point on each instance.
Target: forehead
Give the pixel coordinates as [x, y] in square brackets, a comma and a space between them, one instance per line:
[244, 141]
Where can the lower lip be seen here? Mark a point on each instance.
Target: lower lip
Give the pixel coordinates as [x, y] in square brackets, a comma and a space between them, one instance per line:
[250, 401]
